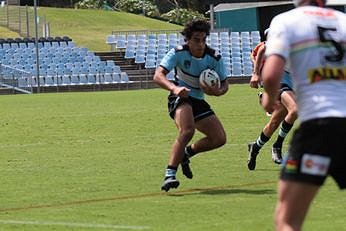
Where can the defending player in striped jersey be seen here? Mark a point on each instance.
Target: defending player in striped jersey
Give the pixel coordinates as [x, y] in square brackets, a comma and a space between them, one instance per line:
[312, 39]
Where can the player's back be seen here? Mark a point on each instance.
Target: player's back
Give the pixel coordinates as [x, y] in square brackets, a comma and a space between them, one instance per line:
[316, 45]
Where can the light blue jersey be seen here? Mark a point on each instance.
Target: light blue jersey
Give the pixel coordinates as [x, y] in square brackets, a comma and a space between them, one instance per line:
[188, 68]
[287, 79]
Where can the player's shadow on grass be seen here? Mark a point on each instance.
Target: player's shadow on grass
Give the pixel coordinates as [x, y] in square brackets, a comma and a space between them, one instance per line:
[238, 191]
[224, 191]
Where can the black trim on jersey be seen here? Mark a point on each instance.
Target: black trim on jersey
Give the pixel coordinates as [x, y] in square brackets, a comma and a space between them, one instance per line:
[175, 71]
[211, 52]
[184, 47]
[164, 68]
[207, 51]
[197, 76]
[175, 75]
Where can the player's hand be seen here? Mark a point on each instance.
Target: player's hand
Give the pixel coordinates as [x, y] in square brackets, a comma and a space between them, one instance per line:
[254, 81]
[211, 90]
[182, 92]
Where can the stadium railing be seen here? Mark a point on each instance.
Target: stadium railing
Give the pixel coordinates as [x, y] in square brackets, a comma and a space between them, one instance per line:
[16, 79]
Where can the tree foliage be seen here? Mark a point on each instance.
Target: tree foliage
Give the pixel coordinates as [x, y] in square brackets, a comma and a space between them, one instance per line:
[181, 16]
[167, 5]
[144, 7]
[89, 4]
[177, 11]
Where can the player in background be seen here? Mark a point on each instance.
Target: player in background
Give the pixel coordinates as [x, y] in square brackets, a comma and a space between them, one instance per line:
[285, 113]
[186, 103]
[312, 39]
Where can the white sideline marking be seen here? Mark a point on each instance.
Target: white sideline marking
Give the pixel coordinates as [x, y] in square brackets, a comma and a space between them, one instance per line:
[69, 224]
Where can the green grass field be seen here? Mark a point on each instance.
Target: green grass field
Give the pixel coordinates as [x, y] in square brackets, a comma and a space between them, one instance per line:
[96, 161]
[89, 28]
[6, 33]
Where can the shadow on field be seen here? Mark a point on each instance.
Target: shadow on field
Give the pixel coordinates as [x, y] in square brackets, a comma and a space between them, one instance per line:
[215, 192]
[238, 191]
[230, 189]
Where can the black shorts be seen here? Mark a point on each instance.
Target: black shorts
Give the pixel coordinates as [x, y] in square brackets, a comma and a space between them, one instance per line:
[200, 108]
[285, 87]
[317, 150]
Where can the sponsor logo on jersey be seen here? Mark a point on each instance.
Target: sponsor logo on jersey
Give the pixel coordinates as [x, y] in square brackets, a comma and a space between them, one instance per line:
[315, 164]
[187, 64]
[324, 73]
[321, 13]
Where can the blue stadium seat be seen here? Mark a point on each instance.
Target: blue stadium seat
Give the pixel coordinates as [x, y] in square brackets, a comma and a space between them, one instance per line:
[92, 75]
[75, 75]
[111, 39]
[83, 75]
[246, 56]
[226, 60]
[23, 82]
[131, 38]
[108, 75]
[255, 33]
[66, 78]
[235, 59]
[245, 49]
[150, 63]
[245, 34]
[116, 77]
[6, 46]
[236, 69]
[121, 42]
[50, 79]
[124, 78]
[142, 37]
[247, 70]
[161, 54]
[226, 54]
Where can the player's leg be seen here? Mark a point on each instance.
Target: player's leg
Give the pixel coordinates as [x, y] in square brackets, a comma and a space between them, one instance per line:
[253, 148]
[215, 135]
[294, 199]
[186, 127]
[207, 123]
[185, 123]
[288, 101]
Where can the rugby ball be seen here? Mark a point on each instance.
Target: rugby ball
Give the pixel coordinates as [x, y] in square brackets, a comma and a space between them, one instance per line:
[209, 78]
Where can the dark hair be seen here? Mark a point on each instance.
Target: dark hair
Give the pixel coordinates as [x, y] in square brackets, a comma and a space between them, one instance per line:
[320, 3]
[199, 25]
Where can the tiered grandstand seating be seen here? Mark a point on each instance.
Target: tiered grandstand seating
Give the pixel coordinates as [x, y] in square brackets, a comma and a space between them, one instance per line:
[149, 49]
[61, 63]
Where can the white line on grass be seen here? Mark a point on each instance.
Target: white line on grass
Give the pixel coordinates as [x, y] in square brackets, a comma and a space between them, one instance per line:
[70, 224]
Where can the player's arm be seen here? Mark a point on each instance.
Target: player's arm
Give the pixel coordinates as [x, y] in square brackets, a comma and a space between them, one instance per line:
[162, 81]
[221, 89]
[216, 90]
[252, 56]
[271, 75]
[256, 75]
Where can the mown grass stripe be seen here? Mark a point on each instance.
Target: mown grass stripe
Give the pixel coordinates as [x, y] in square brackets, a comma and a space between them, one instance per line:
[144, 195]
[73, 224]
